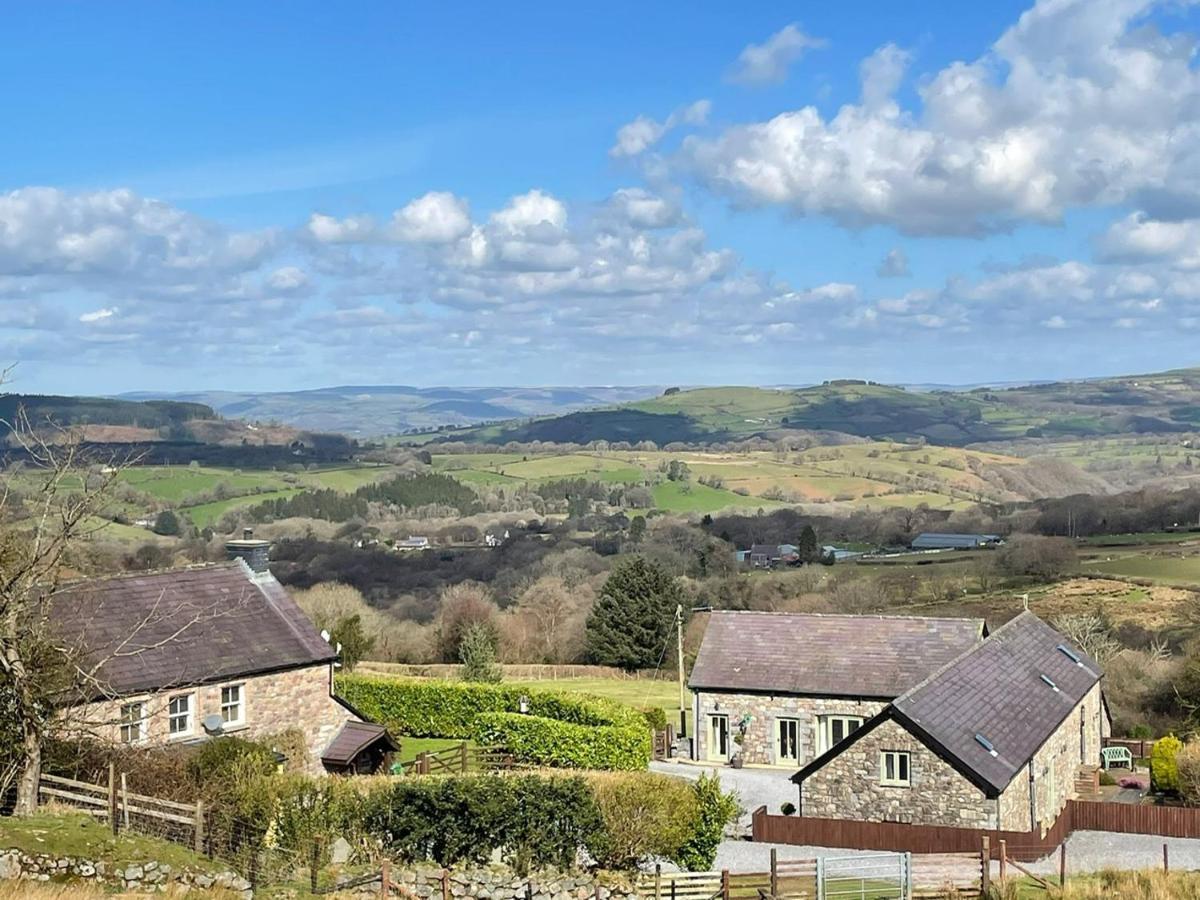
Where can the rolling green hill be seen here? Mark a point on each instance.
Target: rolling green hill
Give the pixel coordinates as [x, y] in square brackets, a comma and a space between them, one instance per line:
[1144, 404]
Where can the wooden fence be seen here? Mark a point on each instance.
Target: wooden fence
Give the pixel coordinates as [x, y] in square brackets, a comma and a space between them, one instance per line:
[123, 809]
[1079, 815]
[1140, 749]
[463, 759]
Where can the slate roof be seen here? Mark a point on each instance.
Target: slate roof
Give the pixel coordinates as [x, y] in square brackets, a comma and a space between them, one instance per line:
[185, 627]
[931, 540]
[353, 739]
[826, 655]
[997, 691]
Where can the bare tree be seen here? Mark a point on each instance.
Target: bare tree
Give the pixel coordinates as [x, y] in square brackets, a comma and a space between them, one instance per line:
[1091, 633]
[35, 542]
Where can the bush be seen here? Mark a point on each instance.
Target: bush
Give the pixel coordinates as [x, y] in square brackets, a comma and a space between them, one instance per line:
[645, 816]
[788, 809]
[1164, 770]
[656, 717]
[616, 736]
[1141, 732]
[549, 742]
[1187, 767]
[715, 810]
[533, 820]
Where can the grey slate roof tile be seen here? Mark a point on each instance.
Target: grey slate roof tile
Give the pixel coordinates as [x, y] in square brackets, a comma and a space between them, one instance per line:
[828, 655]
[996, 690]
[185, 627]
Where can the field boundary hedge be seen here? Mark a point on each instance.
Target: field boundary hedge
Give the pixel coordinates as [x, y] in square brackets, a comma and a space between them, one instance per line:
[558, 729]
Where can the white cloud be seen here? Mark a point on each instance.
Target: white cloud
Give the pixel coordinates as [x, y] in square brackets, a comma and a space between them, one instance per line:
[894, 265]
[642, 209]
[98, 315]
[436, 218]
[768, 63]
[1081, 103]
[330, 230]
[288, 279]
[1055, 321]
[642, 133]
[1137, 238]
[534, 212]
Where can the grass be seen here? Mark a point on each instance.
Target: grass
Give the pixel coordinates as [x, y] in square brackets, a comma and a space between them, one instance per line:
[77, 834]
[675, 496]
[174, 484]
[1165, 569]
[1148, 884]
[639, 693]
[412, 747]
[210, 513]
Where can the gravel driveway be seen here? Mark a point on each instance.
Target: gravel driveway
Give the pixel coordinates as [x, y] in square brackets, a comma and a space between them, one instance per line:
[1087, 851]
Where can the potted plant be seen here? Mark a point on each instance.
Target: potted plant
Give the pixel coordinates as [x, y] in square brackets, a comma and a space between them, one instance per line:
[736, 760]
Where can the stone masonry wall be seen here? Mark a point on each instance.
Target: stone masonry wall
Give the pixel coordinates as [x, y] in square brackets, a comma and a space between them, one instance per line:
[1076, 742]
[848, 787]
[295, 699]
[148, 875]
[758, 744]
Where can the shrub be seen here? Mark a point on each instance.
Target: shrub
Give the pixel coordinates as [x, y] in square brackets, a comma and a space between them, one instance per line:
[533, 820]
[1164, 771]
[656, 717]
[615, 736]
[1187, 768]
[549, 742]
[788, 809]
[645, 816]
[715, 810]
[1141, 732]
[477, 651]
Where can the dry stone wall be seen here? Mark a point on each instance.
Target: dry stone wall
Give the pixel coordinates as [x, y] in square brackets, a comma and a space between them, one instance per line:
[148, 875]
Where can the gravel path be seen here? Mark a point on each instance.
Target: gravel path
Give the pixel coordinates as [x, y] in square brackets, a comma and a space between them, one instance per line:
[754, 787]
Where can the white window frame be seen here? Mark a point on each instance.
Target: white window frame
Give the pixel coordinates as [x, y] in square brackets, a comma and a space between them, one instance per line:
[189, 716]
[713, 753]
[794, 724]
[825, 729]
[901, 760]
[126, 722]
[239, 704]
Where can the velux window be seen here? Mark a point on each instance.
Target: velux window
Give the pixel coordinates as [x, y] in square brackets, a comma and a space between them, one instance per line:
[894, 768]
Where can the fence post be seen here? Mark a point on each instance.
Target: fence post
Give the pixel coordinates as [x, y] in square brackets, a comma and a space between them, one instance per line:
[462, 749]
[198, 827]
[112, 796]
[657, 881]
[1062, 865]
[774, 873]
[985, 874]
[724, 884]
[908, 875]
[445, 884]
[385, 879]
[422, 763]
[124, 802]
[820, 878]
[1166, 863]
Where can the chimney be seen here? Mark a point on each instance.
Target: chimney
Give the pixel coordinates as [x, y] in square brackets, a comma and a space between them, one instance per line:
[255, 552]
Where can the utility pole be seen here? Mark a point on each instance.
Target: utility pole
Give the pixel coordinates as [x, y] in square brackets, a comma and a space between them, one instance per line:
[679, 653]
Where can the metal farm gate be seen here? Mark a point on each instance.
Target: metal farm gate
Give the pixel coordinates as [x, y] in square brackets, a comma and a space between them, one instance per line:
[882, 876]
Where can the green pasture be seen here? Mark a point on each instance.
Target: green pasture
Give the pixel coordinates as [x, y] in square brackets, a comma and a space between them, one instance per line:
[173, 484]
[692, 497]
[207, 514]
[1168, 569]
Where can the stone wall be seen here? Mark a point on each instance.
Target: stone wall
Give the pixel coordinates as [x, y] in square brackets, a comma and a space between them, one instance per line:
[294, 699]
[148, 875]
[762, 711]
[848, 786]
[501, 883]
[1076, 742]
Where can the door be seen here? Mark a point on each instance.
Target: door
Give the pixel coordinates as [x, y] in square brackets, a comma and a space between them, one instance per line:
[718, 737]
[787, 741]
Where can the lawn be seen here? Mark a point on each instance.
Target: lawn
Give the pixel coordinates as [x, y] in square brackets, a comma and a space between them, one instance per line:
[639, 693]
[689, 497]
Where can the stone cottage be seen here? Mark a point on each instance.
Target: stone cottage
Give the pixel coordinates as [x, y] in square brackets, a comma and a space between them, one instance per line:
[179, 656]
[779, 689]
[992, 740]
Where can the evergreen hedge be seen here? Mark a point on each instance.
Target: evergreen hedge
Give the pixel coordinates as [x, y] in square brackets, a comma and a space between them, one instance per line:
[559, 729]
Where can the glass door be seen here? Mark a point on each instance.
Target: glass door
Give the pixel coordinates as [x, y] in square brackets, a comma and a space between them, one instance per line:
[718, 737]
[787, 741]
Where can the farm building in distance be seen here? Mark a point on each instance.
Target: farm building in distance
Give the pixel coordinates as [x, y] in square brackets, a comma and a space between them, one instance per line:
[931, 540]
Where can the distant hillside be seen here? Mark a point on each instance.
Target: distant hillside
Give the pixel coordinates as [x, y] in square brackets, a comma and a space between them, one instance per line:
[1143, 404]
[162, 418]
[375, 410]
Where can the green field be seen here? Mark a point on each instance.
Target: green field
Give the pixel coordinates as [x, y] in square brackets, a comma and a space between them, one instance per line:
[1156, 567]
[207, 514]
[176, 483]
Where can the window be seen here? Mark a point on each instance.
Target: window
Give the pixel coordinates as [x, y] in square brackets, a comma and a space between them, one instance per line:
[233, 709]
[718, 737]
[832, 730]
[893, 768]
[787, 741]
[179, 715]
[133, 723]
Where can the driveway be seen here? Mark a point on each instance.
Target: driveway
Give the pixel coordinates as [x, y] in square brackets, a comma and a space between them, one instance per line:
[754, 787]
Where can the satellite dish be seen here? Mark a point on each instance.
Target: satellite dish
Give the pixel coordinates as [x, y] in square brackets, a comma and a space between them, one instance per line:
[213, 724]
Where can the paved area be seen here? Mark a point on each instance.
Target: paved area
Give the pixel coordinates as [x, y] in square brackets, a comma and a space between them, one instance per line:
[754, 787]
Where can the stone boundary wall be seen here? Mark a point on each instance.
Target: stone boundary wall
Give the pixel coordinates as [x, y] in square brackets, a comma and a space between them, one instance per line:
[150, 875]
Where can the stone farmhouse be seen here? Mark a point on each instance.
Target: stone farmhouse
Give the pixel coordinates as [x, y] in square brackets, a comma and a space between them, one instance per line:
[993, 739]
[779, 689]
[179, 656]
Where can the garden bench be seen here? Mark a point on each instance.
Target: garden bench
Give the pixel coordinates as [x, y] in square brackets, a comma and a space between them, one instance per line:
[1116, 756]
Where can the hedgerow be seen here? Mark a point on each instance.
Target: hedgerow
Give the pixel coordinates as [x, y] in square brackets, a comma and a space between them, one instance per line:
[558, 728]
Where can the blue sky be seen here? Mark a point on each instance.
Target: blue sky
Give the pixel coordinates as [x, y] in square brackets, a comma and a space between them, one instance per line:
[225, 196]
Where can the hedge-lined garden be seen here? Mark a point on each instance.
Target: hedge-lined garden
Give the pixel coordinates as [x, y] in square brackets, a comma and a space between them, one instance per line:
[558, 729]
